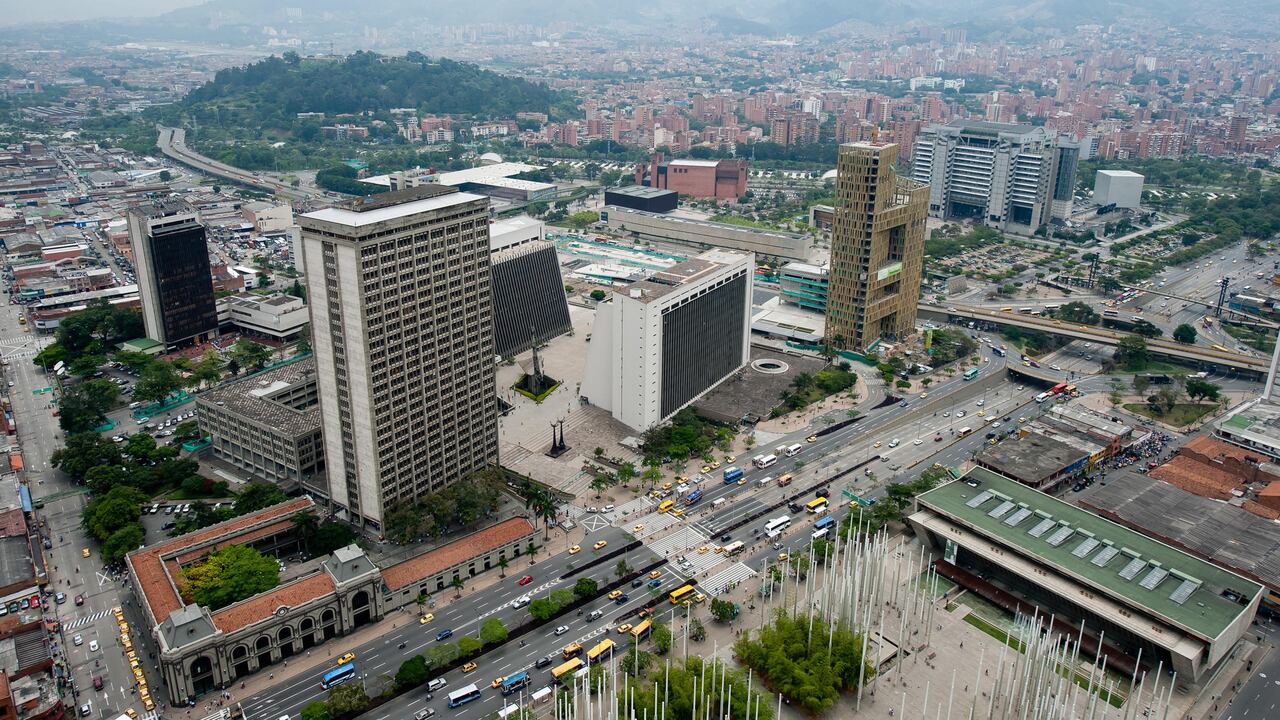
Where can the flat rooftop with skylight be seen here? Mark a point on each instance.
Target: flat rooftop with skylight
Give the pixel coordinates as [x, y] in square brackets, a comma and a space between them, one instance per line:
[1142, 596]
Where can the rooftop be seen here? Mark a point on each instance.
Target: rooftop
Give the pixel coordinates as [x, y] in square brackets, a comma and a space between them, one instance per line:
[694, 163]
[151, 572]
[423, 566]
[716, 226]
[1093, 551]
[262, 606]
[485, 173]
[1120, 173]
[1207, 528]
[1030, 458]
[983, 126]
[660, 283]
[252, 397]
[15, 561]
[403, 204]
[640, 191]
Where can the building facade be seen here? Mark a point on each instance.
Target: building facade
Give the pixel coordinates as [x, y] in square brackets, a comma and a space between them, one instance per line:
[171, 259]
[639, 197]
[278, 317]
[662, 342]
[268, 424]
[399, 288]
[1122, 188]
[716, 179]
[706, 234]
[1003, 175]
[877, 248]
[803, 285]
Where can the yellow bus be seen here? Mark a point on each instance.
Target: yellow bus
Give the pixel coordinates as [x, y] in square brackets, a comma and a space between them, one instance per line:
[816, 505]
[641, 631]
[567, 669]
[601, 651]
[681, 593]
[1220, 348]
[666, 506]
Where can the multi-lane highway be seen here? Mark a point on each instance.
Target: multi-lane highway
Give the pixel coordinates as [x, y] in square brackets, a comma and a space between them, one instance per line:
[172, 142]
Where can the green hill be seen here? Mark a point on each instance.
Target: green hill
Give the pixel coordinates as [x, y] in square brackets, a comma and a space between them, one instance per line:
[269, 94]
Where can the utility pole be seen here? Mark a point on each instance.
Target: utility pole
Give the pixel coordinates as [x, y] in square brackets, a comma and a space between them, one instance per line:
[1223, 285]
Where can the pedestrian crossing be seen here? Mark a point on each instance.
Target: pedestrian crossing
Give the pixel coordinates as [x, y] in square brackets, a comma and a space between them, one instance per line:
[637, 506]
[82, 621]
[683, 541]
[652, 523]
[726, 579]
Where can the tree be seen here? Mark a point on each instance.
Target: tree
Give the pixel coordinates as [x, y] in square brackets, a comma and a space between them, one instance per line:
[626, 472]
[805, 661]
[600, 482]
[1132, 353]
[412, 673]
[209, 369]
[661, 635]
[1078, 312]
[503, 562]
[723, 610]
[542, 609]
[105, 514]
[189, 430]
[493, 632]
[348, 699]
[1146, 329]
[1198, 388]
[1185, 333]
[697, 631]
[156, 382]
[229, 575]
[598, 295]
[315, 710]
[83, 452]
[122, 542]
[585, 588]
[621, 569]
[165, 176]
[258, 495]
[469, 646]
[441, 654]
[84, 406]
[457, 585]
[249, 354]
[1141, 383]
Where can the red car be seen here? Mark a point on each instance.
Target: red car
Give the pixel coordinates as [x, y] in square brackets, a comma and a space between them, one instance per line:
[525, 580]
[79, 599]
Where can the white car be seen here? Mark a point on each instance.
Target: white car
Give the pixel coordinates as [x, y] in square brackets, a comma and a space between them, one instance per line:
[981, 403]
[77, 640]
[946, 413]
[607, 508]
[917, 441]
[959, 413]
[1055, 367]
[93, 646]
[562, 630]
[521, 601]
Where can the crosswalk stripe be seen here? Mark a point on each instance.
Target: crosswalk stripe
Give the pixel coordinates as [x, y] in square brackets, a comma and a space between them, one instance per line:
[82, 621]
[735, 573]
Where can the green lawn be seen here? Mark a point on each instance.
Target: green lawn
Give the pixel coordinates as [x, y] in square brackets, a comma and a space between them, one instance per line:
[1181, 414]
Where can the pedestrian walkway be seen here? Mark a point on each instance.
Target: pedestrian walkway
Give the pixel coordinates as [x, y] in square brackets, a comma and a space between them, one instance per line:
[726, 579]
[82, 621]
[638, 506]
[652, 523]
[682, 541]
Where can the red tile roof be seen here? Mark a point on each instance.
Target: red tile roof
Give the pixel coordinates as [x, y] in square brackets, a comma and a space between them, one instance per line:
[12, 523]
[431, 563]
[159, 587]
[1216, 449]
[261, 607]
[1200, 478]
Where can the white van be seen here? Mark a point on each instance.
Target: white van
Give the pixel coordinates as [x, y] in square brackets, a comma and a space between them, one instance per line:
[766, 480]
[718, 502]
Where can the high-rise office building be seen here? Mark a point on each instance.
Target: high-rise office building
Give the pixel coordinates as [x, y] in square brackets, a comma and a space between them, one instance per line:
[172, 263]
[1003, 175]
[661, 343]
[402, 324]
[877, 247]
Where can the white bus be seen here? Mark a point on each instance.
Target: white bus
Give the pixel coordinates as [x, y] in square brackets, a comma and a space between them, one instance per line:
[734, 547]
[774, 527]
[794, 450]
[764, 461]
[462, 696]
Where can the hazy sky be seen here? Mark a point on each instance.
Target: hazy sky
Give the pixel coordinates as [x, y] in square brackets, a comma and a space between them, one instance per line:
[18, 13]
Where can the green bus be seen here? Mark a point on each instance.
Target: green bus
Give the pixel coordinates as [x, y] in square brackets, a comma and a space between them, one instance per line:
[971, 373]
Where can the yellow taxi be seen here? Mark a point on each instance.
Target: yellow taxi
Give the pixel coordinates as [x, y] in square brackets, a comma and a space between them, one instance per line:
[812, 439]
[131, 712]
[715, 464]
[982, 413]
[637, 528]
[924, 395]
[348, 657]
[703, 550]
[699, 598]
[655, 574]
[782, 557]
[423, 620]
[600, 544]
[1022, 419]
[678, 512]
[730, 459]
[615, 594]
[575, 549]
[706, 469]
[666, 485]
[876, 444]
[624, 628]
[497, 682]
[469, 667]
[85, 553]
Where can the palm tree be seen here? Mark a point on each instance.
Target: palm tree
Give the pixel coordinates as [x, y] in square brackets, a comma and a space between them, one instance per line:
[457, 586]
[621, 569]
[305, 527]
[502, 566]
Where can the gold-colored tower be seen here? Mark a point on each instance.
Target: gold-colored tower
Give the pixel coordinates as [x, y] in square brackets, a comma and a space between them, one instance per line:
[877, 248]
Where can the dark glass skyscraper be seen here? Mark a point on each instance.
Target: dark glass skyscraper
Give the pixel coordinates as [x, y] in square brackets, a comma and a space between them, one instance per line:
[172, 263]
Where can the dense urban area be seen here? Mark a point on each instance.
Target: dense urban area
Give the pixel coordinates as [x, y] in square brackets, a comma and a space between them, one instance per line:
[746, 361]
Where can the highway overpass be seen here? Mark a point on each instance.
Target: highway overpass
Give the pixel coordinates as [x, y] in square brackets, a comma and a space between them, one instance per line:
[172, 142]
[1195, 354]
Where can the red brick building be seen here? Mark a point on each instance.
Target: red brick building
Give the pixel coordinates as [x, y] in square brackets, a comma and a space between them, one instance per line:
[718, 179]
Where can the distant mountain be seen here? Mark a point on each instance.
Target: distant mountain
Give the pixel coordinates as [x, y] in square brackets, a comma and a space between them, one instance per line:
[270, 93]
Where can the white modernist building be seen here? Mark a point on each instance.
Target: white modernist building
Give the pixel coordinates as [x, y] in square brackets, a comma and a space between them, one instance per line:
[662, 342]
[1121, 187]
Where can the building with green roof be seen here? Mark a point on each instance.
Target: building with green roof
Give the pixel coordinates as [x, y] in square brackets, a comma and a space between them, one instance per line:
[1143, 596]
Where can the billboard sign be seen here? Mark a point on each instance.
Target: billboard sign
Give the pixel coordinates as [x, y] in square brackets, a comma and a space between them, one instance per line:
[888, 271]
